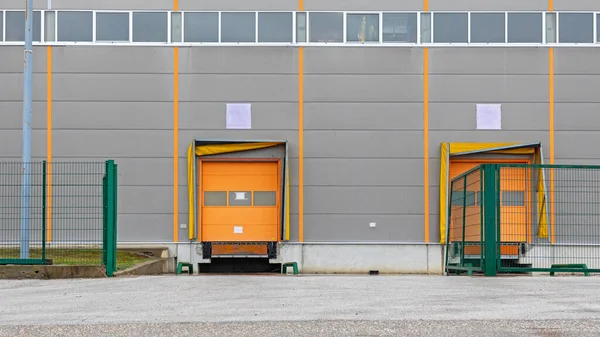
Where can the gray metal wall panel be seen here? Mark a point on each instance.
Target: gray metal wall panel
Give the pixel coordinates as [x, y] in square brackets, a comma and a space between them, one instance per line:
[12, 61]
[211, 116]
[145, 227]
[112, 87]
[363, 172]
[238, 88]
[363, 144]
[355, 228]
[363, 116]
[489, 88]
[238, 60]
[576, 61]
[112, 60]
[112, 143]
[437, 137]
[146, 199]
[12, 116]
[186, 136]
[70, 115]
[488, 5]
[361, 60]
[515, 116]
[351, 88]
[488, 61]
[11, 86]
[359, 5]
[577, 145]
[363, 200]
[576, 116]
[576, 5]
[576, 88]
[11, 141]
[238, 5]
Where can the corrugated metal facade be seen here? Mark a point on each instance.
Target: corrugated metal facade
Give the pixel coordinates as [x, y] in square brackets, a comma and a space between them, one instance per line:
[364, 137]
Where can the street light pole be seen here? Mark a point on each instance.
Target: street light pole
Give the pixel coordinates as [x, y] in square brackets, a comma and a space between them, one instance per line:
[26, 160]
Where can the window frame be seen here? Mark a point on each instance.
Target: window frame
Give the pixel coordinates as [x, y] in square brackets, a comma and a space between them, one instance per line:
[296, 43]
[130, 22]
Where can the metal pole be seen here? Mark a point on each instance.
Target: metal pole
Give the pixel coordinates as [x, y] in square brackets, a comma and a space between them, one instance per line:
[26, 161]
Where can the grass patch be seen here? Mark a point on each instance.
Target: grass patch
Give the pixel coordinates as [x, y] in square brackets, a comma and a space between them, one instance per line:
[81, 257]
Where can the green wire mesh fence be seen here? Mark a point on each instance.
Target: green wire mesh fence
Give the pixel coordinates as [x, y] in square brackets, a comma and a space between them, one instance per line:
[70, 218]
[517, 218]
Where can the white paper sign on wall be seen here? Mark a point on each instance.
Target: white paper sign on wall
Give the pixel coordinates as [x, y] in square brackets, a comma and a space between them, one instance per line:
[238, 116]
[489, 116]
[238, 230]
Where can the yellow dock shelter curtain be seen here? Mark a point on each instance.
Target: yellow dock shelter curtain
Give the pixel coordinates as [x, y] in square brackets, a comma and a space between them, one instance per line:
[220, 148]
[449, 150]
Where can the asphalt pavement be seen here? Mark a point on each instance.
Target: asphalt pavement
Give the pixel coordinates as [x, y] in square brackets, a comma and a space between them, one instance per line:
[306, 305]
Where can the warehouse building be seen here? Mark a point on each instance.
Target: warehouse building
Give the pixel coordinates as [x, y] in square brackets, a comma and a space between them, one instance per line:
[321, 132]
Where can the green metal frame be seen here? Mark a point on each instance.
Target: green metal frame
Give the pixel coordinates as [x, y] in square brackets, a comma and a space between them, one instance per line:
[490, 224]
[109, 246]
[109, 242]
[462, 266]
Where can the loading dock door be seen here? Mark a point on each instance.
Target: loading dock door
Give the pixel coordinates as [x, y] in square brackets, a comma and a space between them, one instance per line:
[239, 201]
[514, 197]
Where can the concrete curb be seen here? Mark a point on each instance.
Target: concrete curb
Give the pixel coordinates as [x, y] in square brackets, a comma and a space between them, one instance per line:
[51, 272]
[153, 267]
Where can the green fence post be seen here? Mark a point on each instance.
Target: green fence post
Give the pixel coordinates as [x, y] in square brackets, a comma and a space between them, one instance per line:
[110, 214]
[115, 215]
[44, 210]
[490, 204]
[104, 219]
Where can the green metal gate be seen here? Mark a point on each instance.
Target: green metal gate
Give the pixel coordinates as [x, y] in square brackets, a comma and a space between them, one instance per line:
[71, 218]
[524, 218]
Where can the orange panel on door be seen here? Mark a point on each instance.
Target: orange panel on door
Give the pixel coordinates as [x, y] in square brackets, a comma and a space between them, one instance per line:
[514, 203]
[240, 201]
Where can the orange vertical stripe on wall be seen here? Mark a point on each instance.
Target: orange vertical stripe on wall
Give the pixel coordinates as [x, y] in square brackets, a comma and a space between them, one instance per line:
[426, 142]
[175, 144]
[49, 143]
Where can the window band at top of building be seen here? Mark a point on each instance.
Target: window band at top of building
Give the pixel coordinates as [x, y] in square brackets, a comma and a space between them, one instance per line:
[304, 28]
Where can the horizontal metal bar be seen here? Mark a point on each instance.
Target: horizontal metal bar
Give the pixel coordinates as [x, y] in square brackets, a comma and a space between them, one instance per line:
[23, 261]
[556, 270]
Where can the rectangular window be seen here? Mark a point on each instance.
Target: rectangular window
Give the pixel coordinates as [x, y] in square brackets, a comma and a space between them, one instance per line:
[150, 26]
[362, 28]
[215, 198]
[450, 27]
[576, 28]
[268, 198]
[400, 27]
[471, 198]
[176, 27]
[201, 27]
[550, 27]
[487, 27]
[326, 27]
[597, 27]
[50, 26]
[75, 26]
[275, 27]
[301, 27]
[524, 27]
[112, 27]
[238, 27]
[513, 198]
[2, 25]
[15, 26]
[240, 198]
[425, 27]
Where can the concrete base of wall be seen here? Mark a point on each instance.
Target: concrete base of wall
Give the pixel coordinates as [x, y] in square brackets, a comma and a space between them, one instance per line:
[346, 258]
[154, 267]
